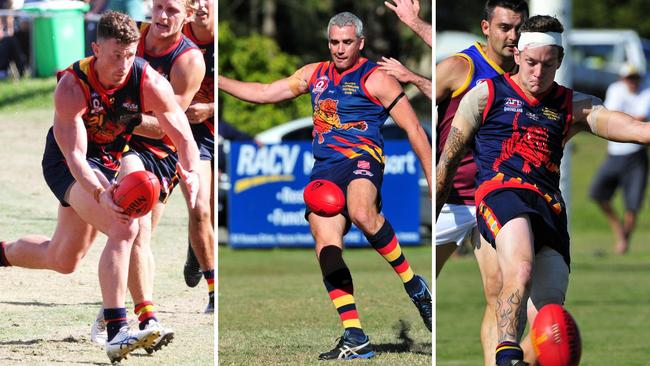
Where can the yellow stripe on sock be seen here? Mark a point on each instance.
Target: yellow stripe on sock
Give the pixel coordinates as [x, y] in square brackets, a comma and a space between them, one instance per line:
[394, 254]
[343, 300]
[406, 275]
[352, 323]
[146, 308]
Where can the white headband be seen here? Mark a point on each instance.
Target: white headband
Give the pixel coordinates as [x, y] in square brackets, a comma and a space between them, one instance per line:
[539, 39]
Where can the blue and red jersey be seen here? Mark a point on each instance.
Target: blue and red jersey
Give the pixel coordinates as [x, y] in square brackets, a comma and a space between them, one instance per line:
[163, 64]
[347, 119]
[520, 142]
[206, 92]
[480, 68]
[109, 116]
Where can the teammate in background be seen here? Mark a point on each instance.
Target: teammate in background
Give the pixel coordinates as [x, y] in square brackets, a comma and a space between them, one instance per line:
[351, 99]
[626, 165]
[518, 126]
[97, 104]
[455, 76]
[407, 11]
[177, 59]
[201, 116]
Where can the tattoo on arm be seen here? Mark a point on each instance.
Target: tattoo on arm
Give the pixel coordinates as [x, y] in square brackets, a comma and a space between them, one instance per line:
[454, 151]
[508, 316]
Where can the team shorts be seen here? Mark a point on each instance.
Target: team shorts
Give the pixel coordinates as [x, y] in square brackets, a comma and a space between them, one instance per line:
[57, 174]
[502, 205]
[362, 167]
[204, 138]
[164, 169]
[627, 171]
[455, 224]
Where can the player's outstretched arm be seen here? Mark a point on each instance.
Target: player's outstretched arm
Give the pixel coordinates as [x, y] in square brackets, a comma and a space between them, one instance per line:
[591, 115]
[275, 92]
[463, 128]
[159, 98]
[386, 89]
[70, 135]
[407, 11]
[400, 72]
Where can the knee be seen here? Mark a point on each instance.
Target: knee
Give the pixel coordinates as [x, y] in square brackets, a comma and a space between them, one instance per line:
[364, 219]
[127, 232]
[524, 272]
[66, 264]
[492, 287]
[200, 214]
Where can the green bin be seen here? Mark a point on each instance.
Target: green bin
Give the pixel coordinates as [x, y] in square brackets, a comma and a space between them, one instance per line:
[57, 34]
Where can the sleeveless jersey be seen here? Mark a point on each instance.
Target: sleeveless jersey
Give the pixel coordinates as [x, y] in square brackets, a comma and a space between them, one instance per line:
[520, 143]
[109, 115]
[206, 92]
[162, 64]
[480, 68]
[347, 119]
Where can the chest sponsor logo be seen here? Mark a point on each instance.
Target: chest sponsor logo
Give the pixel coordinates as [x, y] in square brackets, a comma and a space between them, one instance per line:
[532, 116]
[350, 88]
[551, 113]
[321, 84]
[96, 106]
[513, 105]
[362, 164]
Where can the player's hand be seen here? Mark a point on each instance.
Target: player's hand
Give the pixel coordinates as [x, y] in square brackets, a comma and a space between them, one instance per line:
[406, 10]
[395, 69]
[191, 180]
[199, 112]
[106, 201]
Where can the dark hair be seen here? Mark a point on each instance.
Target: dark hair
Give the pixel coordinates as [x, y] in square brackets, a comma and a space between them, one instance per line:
[543, 23]
[518, 6]
[118, 26]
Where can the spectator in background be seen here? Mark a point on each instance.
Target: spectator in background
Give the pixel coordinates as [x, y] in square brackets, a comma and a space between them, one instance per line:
[407, 11]
[626, 164]
[12, 56]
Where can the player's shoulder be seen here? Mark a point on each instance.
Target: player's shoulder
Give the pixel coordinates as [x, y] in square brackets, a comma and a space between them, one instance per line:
[69, 86]
[453, 67]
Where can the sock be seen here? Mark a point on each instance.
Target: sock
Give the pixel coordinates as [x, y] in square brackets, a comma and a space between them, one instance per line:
[507, 351]
[338, 282]
[209, 277]
[146, 312]
[3, 259]
[385, 243]
[115, 319]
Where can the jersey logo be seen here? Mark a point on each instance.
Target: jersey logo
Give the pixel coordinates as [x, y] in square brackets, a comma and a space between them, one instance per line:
[513, 105]
[321, 84]
[326, 119]
[531, 143]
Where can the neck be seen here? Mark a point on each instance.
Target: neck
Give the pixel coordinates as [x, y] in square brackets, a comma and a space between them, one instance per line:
[203, 34]
[155, 45]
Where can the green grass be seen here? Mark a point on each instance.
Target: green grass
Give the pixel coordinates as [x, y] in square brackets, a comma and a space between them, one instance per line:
[273, 308]
[26, 94]
[608, 295]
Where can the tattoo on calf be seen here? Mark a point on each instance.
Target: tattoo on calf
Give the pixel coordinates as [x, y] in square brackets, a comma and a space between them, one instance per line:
[508, 316]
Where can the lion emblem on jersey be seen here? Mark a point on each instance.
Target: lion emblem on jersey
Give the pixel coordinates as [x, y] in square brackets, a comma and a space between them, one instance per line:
[531, 143]
[326, 119]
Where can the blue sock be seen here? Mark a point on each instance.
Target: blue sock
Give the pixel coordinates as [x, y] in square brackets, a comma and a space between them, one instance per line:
[115, 319]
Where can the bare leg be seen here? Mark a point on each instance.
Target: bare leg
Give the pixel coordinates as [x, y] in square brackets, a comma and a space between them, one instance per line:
[201, 230]
[621, 244]
[486, 257]
[443, 252]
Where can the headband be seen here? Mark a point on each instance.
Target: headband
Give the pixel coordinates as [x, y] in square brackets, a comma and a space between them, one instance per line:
[539, 39]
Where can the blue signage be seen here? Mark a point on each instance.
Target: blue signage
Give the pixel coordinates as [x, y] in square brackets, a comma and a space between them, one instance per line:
[266, 207]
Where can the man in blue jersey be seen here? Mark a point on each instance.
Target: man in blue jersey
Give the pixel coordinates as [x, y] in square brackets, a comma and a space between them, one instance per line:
[518, 125]
[351, 99]
[455, 76]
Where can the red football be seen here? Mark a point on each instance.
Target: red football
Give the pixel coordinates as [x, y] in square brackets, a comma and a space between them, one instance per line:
[556, 338]
[137, 193]
[324, 198]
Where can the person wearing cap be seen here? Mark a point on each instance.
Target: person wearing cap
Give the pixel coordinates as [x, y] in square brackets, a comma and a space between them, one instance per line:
[518, 126]
[626, 164]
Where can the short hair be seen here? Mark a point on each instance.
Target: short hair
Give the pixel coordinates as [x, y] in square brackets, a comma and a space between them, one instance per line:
[118, 26]
[344, 19]
[518, 6]
[543, 23]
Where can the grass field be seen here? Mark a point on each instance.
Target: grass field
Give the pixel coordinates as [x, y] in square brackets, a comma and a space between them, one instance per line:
[46, 316]
[608, 295]
[273, 308]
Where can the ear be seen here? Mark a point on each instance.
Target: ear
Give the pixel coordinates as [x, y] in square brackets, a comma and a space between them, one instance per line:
[362, 43]
[560, 57]
[95, 47]
[485, 27]
[517, 55]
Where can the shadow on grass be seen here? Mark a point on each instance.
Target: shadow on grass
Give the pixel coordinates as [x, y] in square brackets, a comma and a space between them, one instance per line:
[49, 304]
[406, 344]
[22, 94]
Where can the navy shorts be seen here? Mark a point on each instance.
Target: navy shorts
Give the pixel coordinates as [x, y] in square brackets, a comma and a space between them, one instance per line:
[503, 205]
[204, 138]
[362, 167]
[164, 169]
[627, 171]
[57, 174]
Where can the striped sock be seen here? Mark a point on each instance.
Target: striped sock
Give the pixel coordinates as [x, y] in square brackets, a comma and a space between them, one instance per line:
[146, 312]
[341, 291]
[115, 319]
[385, 243]
[3, 259]
[507, 351]
[209, 277]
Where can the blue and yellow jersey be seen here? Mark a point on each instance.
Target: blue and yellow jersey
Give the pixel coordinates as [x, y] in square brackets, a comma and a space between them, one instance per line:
[109, 114]
[163, 64]
[206, 92]
[347, 119]
[520, 142]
